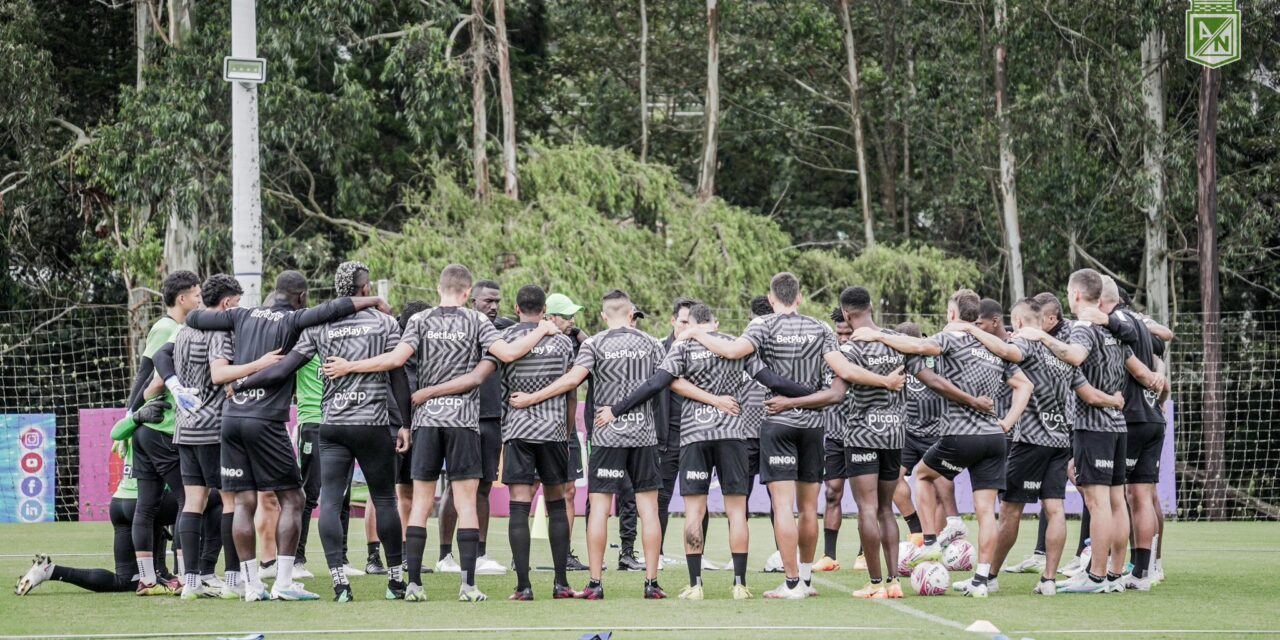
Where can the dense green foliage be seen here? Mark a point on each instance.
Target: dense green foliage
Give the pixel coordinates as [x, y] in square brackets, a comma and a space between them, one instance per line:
[366, 131]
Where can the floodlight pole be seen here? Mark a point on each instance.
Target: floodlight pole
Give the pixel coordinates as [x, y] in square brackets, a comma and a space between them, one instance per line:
[246, 196]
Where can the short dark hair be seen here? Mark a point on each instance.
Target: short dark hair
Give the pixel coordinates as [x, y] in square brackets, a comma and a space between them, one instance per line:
[1032, 306]
[615, 301]
[291, 283]
[990, 308]
[760, 306]
[530, 299]
[176, 284]
[350, 277]
[485, 284]
[967, 304]
[1049, 304]
[1088, 282]
[837, 315]
[909, 329]
[411, 309]
[701, 313]
[1125, 297]
[785, 287]
[855, 299]
[682, 303]
[455, 278]
[219, 287]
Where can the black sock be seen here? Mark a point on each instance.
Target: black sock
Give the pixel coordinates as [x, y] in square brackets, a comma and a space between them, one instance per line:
[860, 552]
[269, 563]
[414, 546]
[1113, 576]
[518, 535]
[558, 532]
[740, 568]
[930, 538]
[482, 548]
[829, 537]
[468, 543]
[190, 526]
[694, 560]
[1141, 561]
[1092, 577]
[1041, 531]
[994, 572]
[877, 580]
[1044, 579]
[375, 549]
[979, 579]
[1084, 530]
[913, 523]
[229, 543]
[792, 583]
[446, 548]
[593, 584]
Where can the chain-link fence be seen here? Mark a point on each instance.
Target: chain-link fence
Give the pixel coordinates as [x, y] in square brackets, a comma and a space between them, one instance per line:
[58, 361]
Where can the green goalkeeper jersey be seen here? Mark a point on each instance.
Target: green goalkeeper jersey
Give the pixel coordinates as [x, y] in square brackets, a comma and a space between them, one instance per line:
[310, 392]
[161, 333]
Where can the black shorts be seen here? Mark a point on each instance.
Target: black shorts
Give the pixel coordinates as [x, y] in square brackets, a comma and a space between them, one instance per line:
[1099, 458]
[753, 457]
[787, 453]
[611, 467]
[404, 461]
[983, 456]
[433, 447]
[727, 457]
[525, 462]
[154, 454]
[200, 465]
[1143, 446]
[885, 464]
[1036, 472]
[833, 459]
[573, 464]
[913, 449]
[257, 455]
[490, 448]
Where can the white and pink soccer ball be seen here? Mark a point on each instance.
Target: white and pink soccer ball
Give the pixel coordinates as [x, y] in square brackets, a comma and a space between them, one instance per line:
[958, 556]
[905, 551]
[930, 579]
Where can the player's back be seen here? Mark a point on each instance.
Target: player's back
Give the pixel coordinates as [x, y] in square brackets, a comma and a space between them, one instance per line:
[620, 360]
[975, 370]
[793, 346]
[1047, 419]
[193, 351]
[718, 376]
[1104, 369]
[448, 342]
[359, 398]
[547, 361]
[925, 407]
[877, 416]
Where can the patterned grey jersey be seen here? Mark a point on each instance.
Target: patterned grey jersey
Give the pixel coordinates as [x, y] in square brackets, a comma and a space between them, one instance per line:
[448, 342]
[924, 407]
[358, 398]
[620, 360]
[977, 372]
[752, 400]
[1047, 420]
[700, 422]
[793, 346]
[1004, 401]
[1104, 369]
[193, 350]
[879, 416]
[835, 417]
[550, 359]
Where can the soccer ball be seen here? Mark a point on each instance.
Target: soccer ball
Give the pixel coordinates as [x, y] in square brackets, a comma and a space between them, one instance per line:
[930, 579]
[958, 556]
[905, 551]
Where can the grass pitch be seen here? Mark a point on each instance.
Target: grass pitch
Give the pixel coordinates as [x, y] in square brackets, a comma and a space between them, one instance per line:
[1222, 581]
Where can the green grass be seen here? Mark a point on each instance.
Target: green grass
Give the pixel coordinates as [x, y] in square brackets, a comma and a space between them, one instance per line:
[1222, 578]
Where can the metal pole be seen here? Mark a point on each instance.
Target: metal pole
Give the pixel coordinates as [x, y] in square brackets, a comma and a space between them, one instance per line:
[246, 199]
[384, 288]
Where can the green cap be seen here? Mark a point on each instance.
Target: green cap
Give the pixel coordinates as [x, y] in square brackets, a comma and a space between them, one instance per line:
[558, 304]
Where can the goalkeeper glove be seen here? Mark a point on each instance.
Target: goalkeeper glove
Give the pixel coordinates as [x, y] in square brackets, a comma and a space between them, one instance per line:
[188, 399]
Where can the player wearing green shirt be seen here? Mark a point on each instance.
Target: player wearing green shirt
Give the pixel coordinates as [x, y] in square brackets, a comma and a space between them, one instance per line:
[121, 511]
[155, 459]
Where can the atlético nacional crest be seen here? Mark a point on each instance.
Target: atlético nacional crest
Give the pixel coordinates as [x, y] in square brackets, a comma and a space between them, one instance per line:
[1213, 33]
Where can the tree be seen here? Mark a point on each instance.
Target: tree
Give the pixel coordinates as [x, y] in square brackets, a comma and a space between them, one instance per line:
[183, 230]
[509, 181]
[711, 106]
[1155, 261]
[1207, 257]
[644, 81]
[479, 160]
[1008, 179]
[855, 113]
